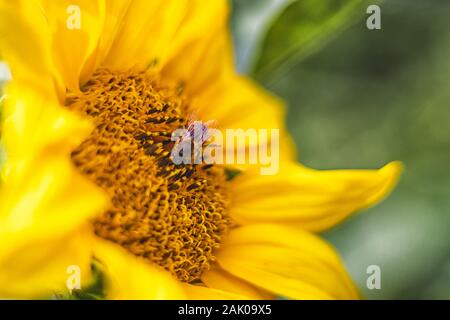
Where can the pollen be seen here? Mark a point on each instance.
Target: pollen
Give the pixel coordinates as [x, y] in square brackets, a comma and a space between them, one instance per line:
[174, 216]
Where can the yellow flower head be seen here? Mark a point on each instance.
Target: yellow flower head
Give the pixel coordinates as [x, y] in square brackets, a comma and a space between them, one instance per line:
[97, 89]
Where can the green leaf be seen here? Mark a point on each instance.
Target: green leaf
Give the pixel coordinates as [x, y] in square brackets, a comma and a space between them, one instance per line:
[94, 291]
[304, 27]
[250, 21]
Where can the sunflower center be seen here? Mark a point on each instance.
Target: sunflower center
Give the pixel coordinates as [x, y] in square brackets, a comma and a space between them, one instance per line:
[172, 215]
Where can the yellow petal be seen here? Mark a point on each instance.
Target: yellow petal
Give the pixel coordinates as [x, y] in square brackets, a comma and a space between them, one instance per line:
[201, 52]
[217, 278]
[146, 34]
[314, 200]
[33, 122]
[44, 199]
[237, 103]
[25, 45]
[188, 41]
[41, 40]
[114, 21]
[128, 277]
[72, 43]
[286, 261]
[197, 292]
[40, 268]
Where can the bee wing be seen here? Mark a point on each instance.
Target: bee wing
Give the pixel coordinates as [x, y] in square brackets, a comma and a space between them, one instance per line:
[211, 124]
[193, 116]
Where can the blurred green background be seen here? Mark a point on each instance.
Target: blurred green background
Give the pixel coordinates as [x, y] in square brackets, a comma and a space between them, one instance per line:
[359, 98]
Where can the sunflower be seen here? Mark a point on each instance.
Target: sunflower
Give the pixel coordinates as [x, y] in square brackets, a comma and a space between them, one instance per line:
[87, 179]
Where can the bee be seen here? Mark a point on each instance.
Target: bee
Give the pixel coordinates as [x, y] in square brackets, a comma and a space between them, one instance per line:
[196, 135]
